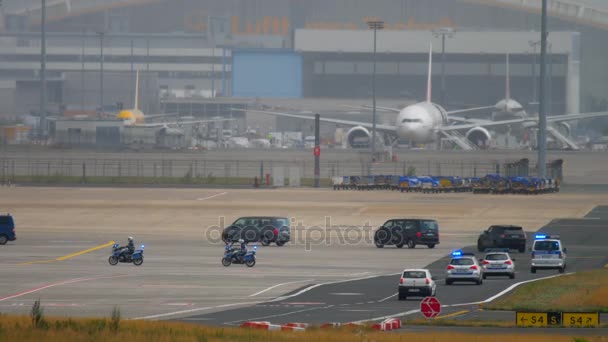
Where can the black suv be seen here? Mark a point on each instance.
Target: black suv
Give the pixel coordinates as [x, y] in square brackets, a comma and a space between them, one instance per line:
[502, 236]
[7, 229]
[410, 232]
[264, 229]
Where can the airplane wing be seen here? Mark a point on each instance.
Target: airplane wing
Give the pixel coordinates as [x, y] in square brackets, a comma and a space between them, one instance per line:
[335, 121]
[577, 116]
[554, 118]
[457, 111]
[173, 123]
[153, 116]
[468, 120]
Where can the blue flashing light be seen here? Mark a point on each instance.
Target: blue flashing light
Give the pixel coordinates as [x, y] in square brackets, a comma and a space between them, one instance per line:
[540, 236]
[255, 247]
[142, 246]
[457, 253]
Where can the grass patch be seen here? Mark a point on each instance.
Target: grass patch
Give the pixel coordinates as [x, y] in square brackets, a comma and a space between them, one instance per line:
[19, 329]
[442, 322]
[581, 292]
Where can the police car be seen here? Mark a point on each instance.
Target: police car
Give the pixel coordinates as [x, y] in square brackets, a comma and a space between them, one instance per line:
[548, 252]
[497, 261]
[463, 267]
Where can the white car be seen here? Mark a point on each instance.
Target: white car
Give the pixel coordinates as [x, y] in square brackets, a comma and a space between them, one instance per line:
[463, 267]
[416, 283]
[548, 252]
[499, 263]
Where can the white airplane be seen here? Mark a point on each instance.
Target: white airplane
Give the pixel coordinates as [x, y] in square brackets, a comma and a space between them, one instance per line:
[135, 117]
[427, 122]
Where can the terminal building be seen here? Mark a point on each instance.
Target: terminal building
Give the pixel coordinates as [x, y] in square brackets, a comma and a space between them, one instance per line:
[195, 51]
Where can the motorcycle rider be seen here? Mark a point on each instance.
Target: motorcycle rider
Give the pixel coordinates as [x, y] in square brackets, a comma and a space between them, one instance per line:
[242, 251]
[129, 249]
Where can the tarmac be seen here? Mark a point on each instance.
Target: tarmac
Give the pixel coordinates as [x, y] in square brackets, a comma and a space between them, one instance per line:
[65, 234]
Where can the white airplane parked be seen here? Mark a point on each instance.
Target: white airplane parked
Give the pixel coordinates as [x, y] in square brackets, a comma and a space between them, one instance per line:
[427, 122]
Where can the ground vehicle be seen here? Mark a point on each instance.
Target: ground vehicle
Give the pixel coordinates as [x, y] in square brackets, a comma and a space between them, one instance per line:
[137, 258]
[502, 236]
[416, 282]
[410, 232]
[264, 229]
[231, 256]
[498, 262]
[463, 267]
[7, 229]
[548, 252]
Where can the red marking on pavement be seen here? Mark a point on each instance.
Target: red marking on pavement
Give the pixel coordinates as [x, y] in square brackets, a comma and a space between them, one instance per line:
[71, 281]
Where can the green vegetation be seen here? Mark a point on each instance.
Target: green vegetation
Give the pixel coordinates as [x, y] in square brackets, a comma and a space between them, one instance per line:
[581, 292]
[14, 328]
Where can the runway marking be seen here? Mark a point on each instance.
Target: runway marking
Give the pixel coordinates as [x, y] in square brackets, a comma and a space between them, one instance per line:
[328, 283]
[278, 315]
[71, 281]
[275, 286]
[212, 196]
[346, 294]
[69, 256]
[453, 314]
[411, 312]
[387, 298]
[195, 310]
[73, 255]
[508, 289]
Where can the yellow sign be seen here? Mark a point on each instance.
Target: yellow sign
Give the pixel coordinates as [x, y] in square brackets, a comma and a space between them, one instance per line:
[531, 319]
[581, 319]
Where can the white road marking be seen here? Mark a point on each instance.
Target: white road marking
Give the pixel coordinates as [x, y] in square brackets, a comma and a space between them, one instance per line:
[508, 289]
[278, 315]
[328, 283]
[411, 312]
[277, 285]
[387, 298]
[210, 197]
[194, 310]
[346, 294]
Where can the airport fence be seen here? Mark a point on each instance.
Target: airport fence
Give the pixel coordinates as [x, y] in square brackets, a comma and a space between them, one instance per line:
[13, 169]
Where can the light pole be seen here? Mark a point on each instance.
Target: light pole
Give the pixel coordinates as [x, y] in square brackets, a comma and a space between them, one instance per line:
[43, 69]
[534, 44]
[542, 115]
[101, 34]
[375, 25]
[443, 32]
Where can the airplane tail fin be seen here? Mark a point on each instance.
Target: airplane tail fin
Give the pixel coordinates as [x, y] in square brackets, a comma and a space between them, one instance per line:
[429, 85]
[136, 101]
[508, 81]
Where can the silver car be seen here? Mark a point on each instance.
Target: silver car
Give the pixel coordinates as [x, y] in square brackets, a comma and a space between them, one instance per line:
[499, 264]
[416, 283]
[548, 252]
[463, 267]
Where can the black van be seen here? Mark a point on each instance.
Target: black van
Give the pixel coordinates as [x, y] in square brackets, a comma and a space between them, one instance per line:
[410, 232]
[7, 229]
[264, 229]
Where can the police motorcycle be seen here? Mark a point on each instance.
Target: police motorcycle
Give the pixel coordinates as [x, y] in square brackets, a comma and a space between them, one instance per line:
[232, 256]
[137, 258]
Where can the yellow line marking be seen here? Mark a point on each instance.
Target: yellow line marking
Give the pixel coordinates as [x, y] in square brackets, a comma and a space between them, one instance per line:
[453, 314]
[69, 256]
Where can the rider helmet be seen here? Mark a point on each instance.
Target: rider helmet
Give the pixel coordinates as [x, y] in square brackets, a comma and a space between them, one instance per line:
[130, 238]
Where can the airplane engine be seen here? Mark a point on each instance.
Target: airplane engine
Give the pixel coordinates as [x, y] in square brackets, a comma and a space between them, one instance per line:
[359, 137]
[564, 128]
[479, 136]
